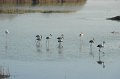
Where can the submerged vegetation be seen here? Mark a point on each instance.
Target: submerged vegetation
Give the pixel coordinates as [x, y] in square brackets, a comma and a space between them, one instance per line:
[31, 6]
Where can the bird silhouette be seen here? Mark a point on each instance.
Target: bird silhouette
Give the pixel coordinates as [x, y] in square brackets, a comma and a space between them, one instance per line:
[60, 40]
[47, 40]
[38, 37]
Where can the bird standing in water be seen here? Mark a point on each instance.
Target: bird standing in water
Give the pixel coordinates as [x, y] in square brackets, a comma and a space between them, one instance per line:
[38, 40]
[81, 34]
[91, 41]
[38, 37]
[6, 32]
[6, 46]
[100, 46]
[47, 41]
[60, 40]
[100, 61]
[49, 37]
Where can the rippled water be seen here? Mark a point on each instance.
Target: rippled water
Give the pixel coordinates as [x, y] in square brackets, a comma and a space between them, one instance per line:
[75, 60]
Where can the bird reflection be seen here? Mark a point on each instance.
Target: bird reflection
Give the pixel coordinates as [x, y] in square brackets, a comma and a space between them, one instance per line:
[48, 52]
[60, 50]
[100, 61]
[39, 47]
[47, 48]
[6, 47]
[81, 45]
[91, 51]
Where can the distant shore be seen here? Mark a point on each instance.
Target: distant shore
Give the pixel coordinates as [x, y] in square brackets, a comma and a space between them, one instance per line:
[37, 2]
[18, 7]
[31, 11]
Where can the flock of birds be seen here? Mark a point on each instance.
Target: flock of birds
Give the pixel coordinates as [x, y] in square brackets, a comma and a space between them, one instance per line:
[39, 38]
[60, 40]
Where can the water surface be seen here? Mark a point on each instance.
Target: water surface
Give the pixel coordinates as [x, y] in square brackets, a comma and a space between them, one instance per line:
[75, 60]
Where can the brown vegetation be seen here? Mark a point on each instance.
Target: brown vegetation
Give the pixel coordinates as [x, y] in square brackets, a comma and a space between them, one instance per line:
[17, 6]
[38, 1]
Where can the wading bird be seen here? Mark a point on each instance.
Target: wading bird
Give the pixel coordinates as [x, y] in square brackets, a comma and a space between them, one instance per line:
[60, 40]
[38, 39]
[47, 40]
[100, 61]
[81, 34]
[6, 32]
[6, 46]
[100, 46]
[49, 37]
[91, 41]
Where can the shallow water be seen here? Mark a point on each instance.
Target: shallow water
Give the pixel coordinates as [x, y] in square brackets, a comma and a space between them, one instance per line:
[75, 60]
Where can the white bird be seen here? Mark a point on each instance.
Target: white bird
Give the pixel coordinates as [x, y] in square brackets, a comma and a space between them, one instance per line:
[104, 43]
[81, 34]
[6, 32]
